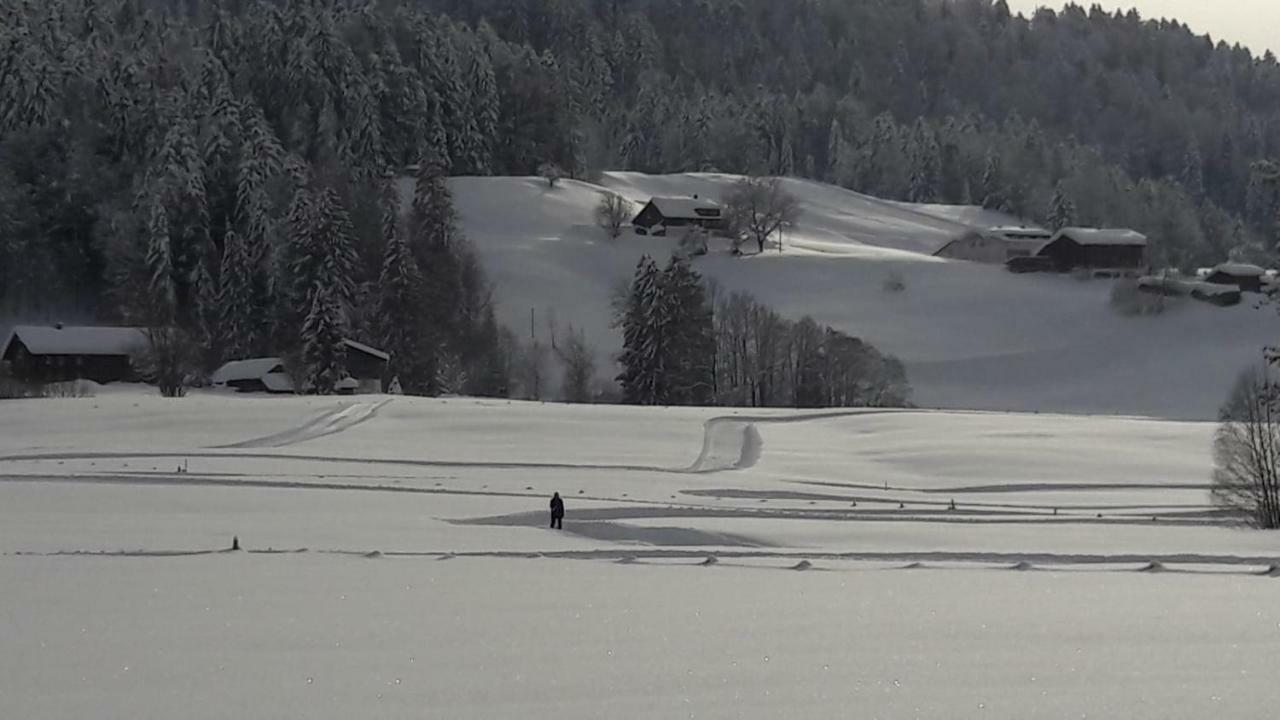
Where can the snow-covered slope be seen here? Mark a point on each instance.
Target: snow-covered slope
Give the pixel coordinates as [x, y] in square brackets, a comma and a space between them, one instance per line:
[972, 336]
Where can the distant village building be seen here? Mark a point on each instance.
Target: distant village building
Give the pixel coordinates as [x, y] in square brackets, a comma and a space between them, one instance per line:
[1247, 277]
[58, 353]
[1095, 248]
[995, 245]
[663, 213]
[366, 372]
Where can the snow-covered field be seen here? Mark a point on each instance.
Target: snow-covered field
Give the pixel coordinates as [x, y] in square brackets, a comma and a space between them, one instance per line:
[972, 336]
[714, 563]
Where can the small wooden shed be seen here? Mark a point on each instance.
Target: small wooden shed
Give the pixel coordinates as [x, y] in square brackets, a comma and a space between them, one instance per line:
[1247, 277]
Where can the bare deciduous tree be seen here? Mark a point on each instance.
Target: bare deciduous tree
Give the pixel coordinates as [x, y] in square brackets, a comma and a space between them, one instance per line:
[612, 213]
[578, 360]
[532, 370]
[759, 207]
[550, 172]
[168, 360]
[1246, 451]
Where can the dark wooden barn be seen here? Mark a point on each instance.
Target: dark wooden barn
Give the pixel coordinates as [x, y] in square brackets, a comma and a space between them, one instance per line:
[1249, 278]
[662, 213]
[59, 353]
[1093, 248]
[368, 366]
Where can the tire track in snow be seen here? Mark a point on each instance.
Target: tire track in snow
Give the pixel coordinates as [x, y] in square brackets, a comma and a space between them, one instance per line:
[329, 423]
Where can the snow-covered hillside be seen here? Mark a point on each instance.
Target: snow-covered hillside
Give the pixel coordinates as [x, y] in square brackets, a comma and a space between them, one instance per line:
[972, 336]
[396, 563]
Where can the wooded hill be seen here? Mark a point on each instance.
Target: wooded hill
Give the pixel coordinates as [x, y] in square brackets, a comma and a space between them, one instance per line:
[125, 118]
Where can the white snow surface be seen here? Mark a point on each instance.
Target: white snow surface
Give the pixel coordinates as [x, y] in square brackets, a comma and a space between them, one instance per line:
[971, 336]
[395, 563]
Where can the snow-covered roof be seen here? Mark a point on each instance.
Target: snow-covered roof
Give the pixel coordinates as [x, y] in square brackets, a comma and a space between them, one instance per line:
[1240, 270]
[251, 369]
[1021, 233]
[78, 340]
[1103, 236]
[375, 352]
[684, 207]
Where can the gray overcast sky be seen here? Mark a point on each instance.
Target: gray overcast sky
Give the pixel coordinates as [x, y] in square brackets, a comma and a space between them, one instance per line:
[1253, 23]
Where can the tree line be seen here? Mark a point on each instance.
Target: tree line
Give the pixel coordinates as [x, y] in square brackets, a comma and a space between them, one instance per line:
[687, 343]
[114, 109]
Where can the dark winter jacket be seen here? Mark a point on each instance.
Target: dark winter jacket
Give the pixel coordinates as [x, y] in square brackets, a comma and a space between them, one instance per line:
[557, 507]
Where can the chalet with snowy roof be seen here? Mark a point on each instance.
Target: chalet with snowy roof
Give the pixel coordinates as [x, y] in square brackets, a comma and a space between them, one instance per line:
[1247, 277]
[1095, 249]
[995, 245]
[57, 353]
[663, 213]
[366, 372]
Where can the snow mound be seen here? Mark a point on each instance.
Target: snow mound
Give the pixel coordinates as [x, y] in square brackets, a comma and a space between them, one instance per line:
[728, 444]
[1022, 566]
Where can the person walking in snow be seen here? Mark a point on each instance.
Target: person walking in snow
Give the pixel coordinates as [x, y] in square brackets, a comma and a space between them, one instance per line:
[557, 512]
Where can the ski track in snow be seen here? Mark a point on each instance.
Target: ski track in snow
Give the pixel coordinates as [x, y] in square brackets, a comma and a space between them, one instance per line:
[730, 442]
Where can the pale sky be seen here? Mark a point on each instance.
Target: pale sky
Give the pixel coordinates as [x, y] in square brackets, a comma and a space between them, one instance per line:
[1253, 23]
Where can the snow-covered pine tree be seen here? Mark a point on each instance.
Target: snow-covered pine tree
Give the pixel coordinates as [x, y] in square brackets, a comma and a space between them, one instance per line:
[1062, 211]
[237, 330]
[304, 229]
[324, 352]
[926, 164]
[1193, 171]
[836, 148]
[163, 300]
[400, 300]
[642, 351]
[335, 248]
[433, 241]
[685, 324]
[205, 296]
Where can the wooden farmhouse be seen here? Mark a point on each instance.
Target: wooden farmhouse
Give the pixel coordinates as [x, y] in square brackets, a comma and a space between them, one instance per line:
[58, 353]
[663, 213]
